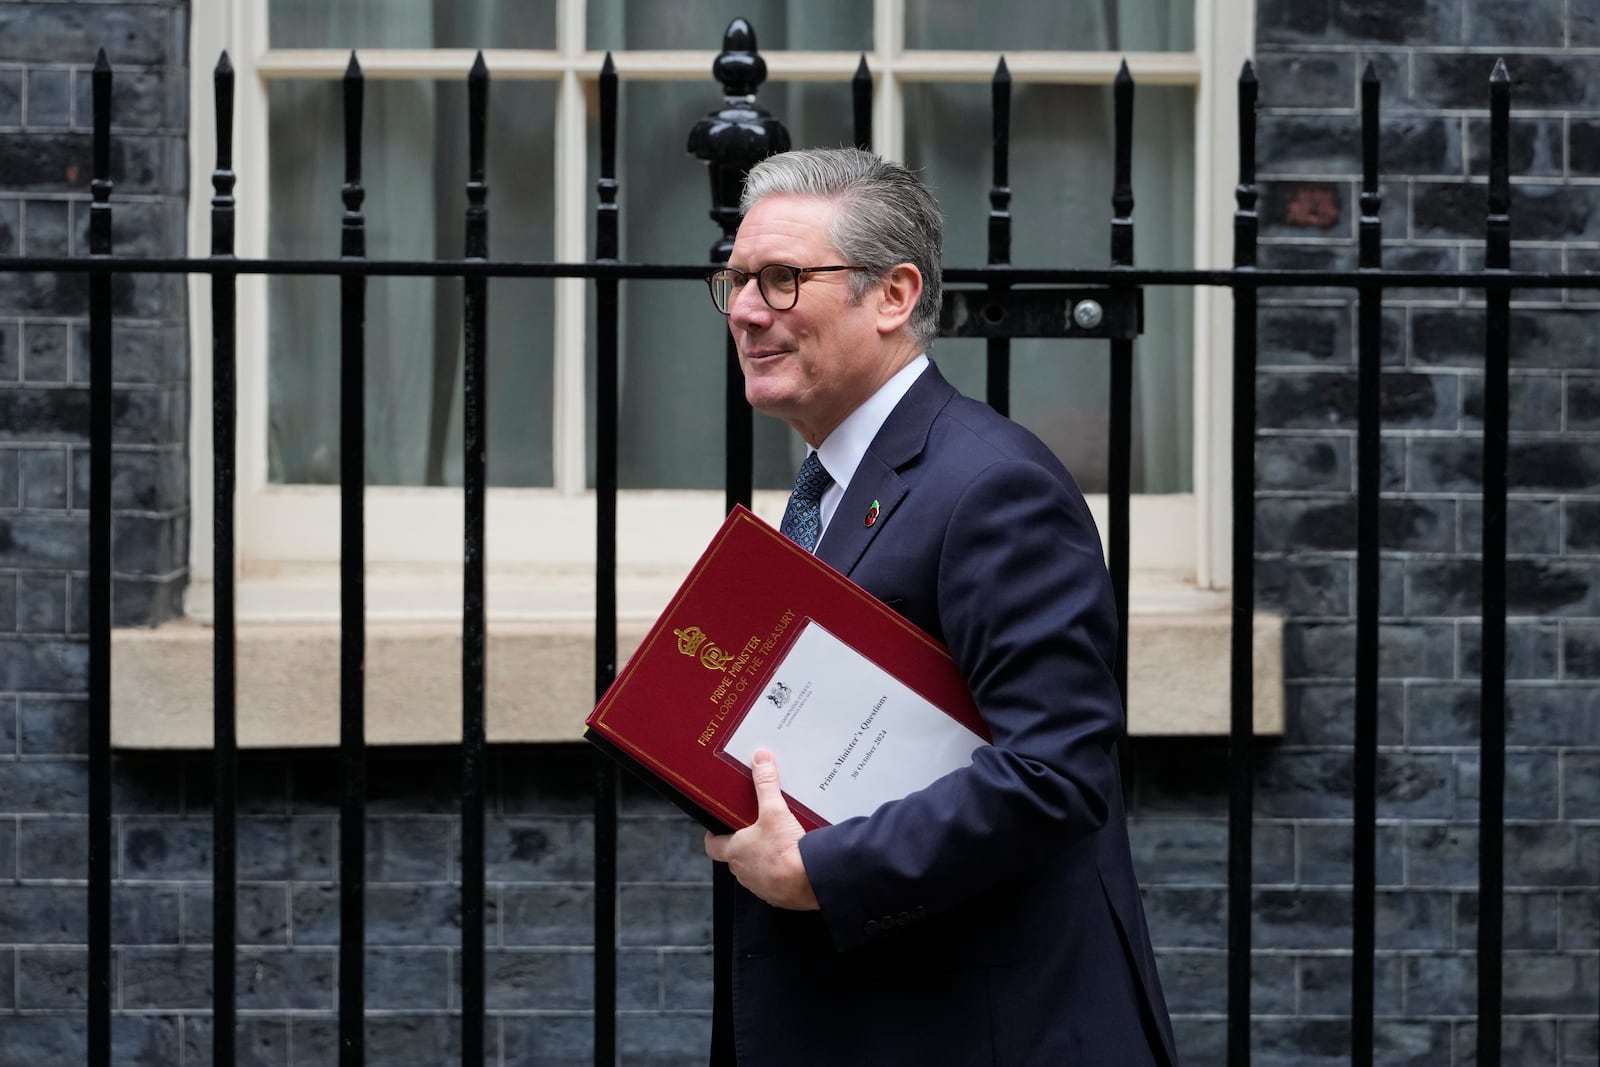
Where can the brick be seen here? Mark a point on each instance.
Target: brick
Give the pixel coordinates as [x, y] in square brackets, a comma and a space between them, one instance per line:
[639, 850]
[1546, 984]
[1307, 80]
[52, 847]
[1290, 1041]
[168, 849]
[10, 478]
[547, 915]
[1553, 715]
[1533, 527]
[1533, 466]
[144, 100]
[1524, 257]
[1496, 25]
[1185, 779]
[1536, 148]
[1583, 154]
[1324, 983]
[1170, 851]
[1306, 588]
[1299, 525]
[148, 602]
[44, 477]
[277, 979]
[45, 352]
[1580, 920]
[131, 34]
[560, 980]
[11, 82]
[1315, 336]
[557, 1039]
[1321, 650]
[407, 850]
[257, 1042]
[141, 354]
[639, 983]
[1528, 921]
[686, 979]
[1304, 463]
[1544, 856]
[1276, 255]
[415, 979]
[1304, 207]
[43, 540]
[405, 1040]
[1442, 855]
[1532, 791]
[49, 98]
[1327, 853]
[1539, 211]
[1440, 985]
[415, 915]
[261, 914]
[61, 1040]
[53, 978]
[1583, 403]
[1522, 1040]
[1398, 21]
[1539, 80]
[1580, 785]
[683, 852]
[1288, 21]
[1533, 402]
[60, 787]
[1414, 921]
[8, 602]
[1330, 401]
[664, 915]
[1417, 1042]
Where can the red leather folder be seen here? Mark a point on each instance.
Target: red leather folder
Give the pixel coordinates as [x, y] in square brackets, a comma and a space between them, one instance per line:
[705, 660]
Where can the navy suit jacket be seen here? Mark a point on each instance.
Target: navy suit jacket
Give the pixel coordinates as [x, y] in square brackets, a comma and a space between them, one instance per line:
[992, 917]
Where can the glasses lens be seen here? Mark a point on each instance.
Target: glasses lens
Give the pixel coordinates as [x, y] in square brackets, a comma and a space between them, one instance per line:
[780, 285]
[724, 284]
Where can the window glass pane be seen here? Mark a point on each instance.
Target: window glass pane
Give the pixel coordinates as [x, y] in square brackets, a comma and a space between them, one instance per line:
[1018, 25]
[673, 341]
[414, 175]
[698, 24]
[1061, 181]
[411, 24]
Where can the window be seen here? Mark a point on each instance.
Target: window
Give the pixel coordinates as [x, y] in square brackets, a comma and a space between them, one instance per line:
[932, 61]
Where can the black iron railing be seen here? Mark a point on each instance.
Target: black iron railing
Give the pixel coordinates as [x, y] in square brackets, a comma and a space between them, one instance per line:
[1104, 305]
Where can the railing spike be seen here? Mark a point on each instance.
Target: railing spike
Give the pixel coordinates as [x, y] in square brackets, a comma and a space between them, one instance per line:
[1501, 74]
[1002, 73]
[1371, 73]
[224, 64]
[480, 69]
[1247, 73]
[352, 69]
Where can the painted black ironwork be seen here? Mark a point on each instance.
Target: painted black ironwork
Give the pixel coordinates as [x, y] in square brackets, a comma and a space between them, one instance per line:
[1241, 682]
[225, 746]
[992, 309]
[474, 481]
[100, 578]
[1369, 338]
[1492, 655]
[1119, 452]
[861, 104]
[607, 400]
[997, 354]
[352, 590]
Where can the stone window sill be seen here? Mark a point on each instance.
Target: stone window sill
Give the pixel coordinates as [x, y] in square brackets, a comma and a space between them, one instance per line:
[540, 669]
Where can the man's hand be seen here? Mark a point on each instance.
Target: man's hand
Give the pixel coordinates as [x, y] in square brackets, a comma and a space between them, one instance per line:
[765, 856]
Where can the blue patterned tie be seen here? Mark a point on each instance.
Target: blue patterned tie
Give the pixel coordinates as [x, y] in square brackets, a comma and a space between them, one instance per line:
[802, 519]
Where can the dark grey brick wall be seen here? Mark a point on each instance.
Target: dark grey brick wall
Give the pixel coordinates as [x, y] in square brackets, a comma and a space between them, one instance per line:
[1434, 57]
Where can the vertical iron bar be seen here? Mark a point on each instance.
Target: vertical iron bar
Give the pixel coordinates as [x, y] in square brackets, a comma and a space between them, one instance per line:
[352, 591]
[1492, 695]
[474, 471]
[1241, 689]
[606, 247]
[861, 103]
[1119, 459]
[225, 749]
[1368, 467]
[100, 579]
[998, 388]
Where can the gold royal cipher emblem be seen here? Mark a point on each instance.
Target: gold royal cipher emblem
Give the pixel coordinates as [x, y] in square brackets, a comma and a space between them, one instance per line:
[692, 641]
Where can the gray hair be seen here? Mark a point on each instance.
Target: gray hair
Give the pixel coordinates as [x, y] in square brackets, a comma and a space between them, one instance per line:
[886, 216]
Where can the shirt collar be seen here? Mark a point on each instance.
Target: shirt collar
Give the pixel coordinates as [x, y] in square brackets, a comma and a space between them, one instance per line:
[841, 452]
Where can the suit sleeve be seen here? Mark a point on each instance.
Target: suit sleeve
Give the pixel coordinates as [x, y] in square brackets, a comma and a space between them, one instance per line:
[1025, 605]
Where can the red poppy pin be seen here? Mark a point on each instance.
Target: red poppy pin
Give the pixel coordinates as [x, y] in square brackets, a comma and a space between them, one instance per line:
[872, 513]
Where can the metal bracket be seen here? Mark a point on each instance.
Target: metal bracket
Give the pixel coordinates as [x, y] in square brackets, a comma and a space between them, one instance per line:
[1075, 313]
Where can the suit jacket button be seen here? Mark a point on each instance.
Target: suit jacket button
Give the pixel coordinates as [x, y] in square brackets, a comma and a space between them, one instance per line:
[872, 927]
[903, 919]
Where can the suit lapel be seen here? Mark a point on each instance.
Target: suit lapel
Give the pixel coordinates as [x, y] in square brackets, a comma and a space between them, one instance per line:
[876, 487]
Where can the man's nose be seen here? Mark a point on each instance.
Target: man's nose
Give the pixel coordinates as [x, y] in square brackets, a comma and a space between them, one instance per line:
[748, 307]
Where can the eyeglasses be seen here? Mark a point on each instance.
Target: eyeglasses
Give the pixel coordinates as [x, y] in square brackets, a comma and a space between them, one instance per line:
[778, 283]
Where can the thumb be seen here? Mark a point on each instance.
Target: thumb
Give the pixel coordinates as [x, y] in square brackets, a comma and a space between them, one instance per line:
[769, 795]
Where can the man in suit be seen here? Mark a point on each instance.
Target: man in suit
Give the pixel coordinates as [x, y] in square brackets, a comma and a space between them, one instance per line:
[993, 916]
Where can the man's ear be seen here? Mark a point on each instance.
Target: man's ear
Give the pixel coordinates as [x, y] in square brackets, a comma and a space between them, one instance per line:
[897, 295]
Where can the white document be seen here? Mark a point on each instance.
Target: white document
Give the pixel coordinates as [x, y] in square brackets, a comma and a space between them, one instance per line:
[847, 736]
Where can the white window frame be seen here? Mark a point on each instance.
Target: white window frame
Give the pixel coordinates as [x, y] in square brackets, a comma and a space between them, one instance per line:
[541, 550]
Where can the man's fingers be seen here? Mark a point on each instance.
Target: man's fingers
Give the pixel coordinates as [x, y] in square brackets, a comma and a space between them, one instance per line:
[769, 795]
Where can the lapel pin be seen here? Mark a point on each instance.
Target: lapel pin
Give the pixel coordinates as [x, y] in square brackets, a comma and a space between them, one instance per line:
[872, 514]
